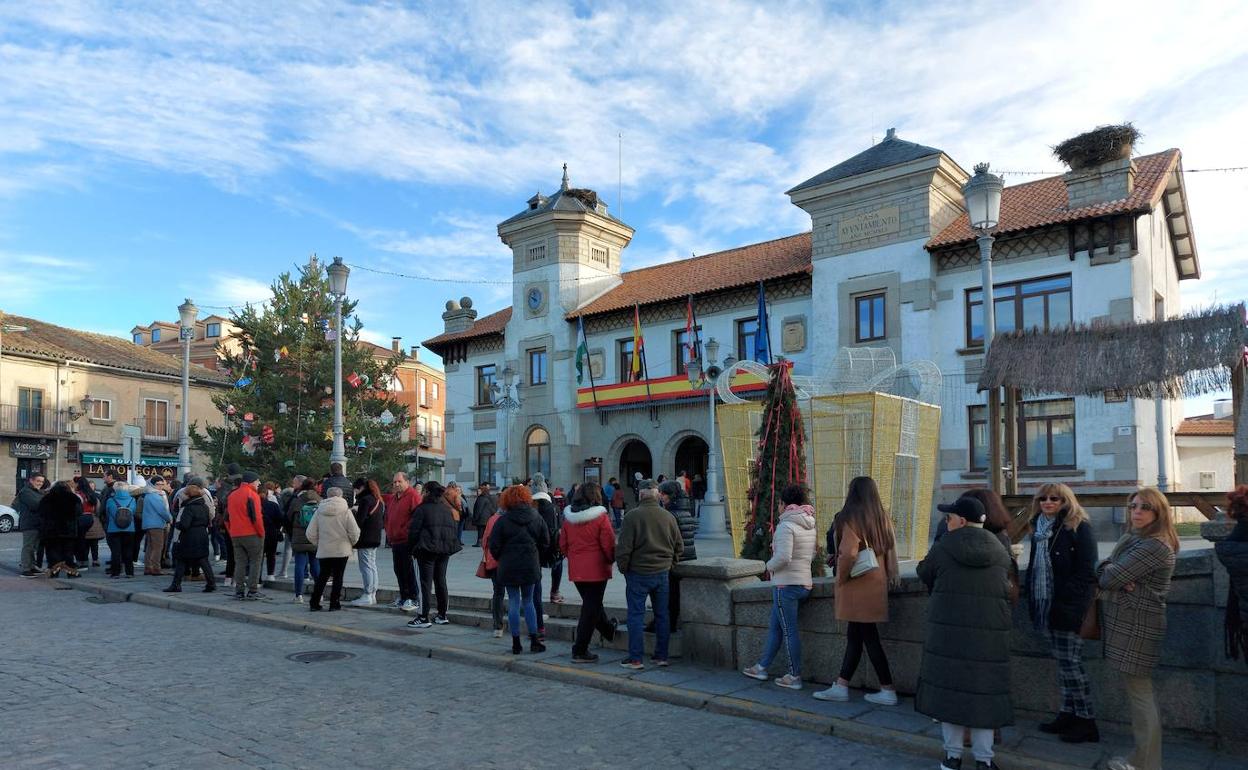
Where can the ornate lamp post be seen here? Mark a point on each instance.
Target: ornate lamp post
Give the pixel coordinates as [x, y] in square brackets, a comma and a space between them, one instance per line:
[338, 273]
[506, 399]
[982, 195]
[711, 512]
[187, 313]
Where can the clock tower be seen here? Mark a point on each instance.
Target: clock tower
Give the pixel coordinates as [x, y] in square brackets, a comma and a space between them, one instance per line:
[566, 251]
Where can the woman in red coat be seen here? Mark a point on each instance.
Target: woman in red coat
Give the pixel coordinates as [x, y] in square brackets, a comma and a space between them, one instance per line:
[587, 540]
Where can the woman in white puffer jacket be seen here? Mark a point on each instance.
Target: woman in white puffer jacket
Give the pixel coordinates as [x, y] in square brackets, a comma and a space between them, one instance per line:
[793, 550]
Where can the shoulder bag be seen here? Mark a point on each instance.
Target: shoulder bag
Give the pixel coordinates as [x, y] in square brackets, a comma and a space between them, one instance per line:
[1090, 628]
[865, 562]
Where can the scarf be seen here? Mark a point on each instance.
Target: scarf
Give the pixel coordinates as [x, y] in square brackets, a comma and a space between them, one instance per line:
[1042, 573]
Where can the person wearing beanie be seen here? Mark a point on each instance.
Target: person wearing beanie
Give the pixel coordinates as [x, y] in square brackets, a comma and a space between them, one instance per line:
[964, 677]
[550, 556]
[245, 522]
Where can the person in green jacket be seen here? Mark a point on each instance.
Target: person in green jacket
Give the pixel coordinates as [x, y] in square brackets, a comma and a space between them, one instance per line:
[650, 545]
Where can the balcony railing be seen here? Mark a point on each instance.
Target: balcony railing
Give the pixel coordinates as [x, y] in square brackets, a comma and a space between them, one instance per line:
[158, 430]
[31, 421]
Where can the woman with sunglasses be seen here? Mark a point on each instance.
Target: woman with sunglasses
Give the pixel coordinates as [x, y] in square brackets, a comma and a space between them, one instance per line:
[1061, 578]
[1136, 580]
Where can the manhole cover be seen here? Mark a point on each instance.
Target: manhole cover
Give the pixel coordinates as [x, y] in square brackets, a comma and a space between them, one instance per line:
[319, 656]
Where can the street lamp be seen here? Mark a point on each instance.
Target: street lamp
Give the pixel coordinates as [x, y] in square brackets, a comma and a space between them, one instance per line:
[711, 511]
[506, 400]
[338, 273]
[982, 195]
[187, 313]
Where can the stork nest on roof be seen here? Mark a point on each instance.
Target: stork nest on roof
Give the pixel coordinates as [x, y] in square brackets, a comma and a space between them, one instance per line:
[586, 196]
[1100, 145]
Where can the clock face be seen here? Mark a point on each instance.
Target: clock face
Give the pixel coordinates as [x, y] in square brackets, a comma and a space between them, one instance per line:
[535, 298]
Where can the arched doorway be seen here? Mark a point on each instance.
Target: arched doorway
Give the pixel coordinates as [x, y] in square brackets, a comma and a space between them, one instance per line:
[691, 457]
[635, 458]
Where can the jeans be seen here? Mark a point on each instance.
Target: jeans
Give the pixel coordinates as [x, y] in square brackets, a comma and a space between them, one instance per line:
[285, 557]
[432, 578]
[330, 568]
[496, 603]
[217, 539]
[638, 588]
[593, 617]
[859, 635]
[783, 627]
[302, 562]
[119, 553]
[981, 741]
[247, 552]
[1145, 722]
[401, 553]
[368, 569]
[516, 597]
[30, 544]
[618, 515]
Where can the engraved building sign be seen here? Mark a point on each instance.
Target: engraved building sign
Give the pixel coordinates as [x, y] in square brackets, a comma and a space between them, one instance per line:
[869, 224]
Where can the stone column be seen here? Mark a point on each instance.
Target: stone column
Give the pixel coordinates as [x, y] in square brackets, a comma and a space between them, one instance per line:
[707, 630]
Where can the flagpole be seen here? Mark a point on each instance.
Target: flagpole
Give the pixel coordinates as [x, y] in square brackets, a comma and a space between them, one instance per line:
[589, 362]
[639, 348]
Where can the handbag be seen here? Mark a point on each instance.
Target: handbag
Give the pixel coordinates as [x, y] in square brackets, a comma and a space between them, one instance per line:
[865, 562]
[1090, 628]
[482, 572]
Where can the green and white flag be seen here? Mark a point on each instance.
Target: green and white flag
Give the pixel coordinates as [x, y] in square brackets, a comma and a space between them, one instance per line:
[582, 351]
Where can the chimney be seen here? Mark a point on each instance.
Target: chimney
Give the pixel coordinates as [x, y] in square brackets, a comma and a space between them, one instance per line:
[1223, 408]
[415, 352]
[1101, 169]
[459, 316]
[395, 347]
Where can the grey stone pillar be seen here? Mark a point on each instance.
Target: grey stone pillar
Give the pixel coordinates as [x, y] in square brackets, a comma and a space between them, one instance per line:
[708, 633]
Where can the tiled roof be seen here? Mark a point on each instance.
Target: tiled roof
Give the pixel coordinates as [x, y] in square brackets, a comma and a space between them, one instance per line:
[1043, 202]
[494, 323]
[890, 152]
[45, 339]
[566, 198]
[742, 266]
[1206, 425]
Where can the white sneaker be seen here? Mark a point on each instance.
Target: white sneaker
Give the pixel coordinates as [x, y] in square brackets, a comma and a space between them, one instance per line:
[837, 692]
[284, 576]
[882, 698]
[270, 578]
[298, 599]
[365, 600]
[396, 603]
[409, 606]
[498, 633]
[441, 620]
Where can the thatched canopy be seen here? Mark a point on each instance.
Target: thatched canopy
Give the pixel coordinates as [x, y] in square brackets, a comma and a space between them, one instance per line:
[1177, 358]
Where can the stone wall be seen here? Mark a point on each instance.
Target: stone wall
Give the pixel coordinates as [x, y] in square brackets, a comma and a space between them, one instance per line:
[725, 612]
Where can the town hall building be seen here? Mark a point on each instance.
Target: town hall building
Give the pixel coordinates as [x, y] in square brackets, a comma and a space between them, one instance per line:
[889, 261]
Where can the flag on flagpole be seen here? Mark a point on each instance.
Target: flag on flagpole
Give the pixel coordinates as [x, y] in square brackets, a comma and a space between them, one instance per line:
[692, 343]
[639, 344]
[762, 337]
[582, 350]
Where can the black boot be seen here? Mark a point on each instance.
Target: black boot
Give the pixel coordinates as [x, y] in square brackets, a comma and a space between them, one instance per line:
[1059, 723]
[1081, 731]
[535, 644]
[516, 647]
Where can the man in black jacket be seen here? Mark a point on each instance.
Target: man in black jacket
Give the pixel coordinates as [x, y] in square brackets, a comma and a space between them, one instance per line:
[337, 479]
[29, 522]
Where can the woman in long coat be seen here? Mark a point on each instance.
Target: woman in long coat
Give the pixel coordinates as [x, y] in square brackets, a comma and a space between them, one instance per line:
[59, 511]
[191, 550]
[1135, 580]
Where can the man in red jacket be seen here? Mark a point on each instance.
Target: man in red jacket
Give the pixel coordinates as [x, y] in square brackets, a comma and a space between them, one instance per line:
[245, 524]
[398, 517]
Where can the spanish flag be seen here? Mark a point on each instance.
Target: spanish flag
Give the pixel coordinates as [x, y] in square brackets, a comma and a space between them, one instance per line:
[639, 343]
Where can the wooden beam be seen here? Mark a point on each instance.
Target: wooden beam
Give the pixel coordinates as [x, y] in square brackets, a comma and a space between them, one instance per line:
[1012, 399]
[994, 440]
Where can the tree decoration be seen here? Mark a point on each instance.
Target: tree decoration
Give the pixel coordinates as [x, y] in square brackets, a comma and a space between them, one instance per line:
[781, 460]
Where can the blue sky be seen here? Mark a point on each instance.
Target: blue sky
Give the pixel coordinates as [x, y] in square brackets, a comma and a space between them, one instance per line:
[152, 151]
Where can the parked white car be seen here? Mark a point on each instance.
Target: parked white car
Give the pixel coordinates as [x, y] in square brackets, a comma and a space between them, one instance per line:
[8, 519]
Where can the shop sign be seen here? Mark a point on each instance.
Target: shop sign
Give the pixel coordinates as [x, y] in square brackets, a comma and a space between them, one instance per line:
[40, 450]
[95, 465]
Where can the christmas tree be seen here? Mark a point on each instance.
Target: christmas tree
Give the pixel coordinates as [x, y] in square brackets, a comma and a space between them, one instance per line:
[277, 420]
[781, 460]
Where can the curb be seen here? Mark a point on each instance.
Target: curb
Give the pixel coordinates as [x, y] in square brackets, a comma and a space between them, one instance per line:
[719, 704]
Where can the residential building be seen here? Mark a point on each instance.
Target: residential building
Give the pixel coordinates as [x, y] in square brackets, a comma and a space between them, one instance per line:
[422, 389]
[66, 394]
[890, 261]
[1206, 453]
[214, 337]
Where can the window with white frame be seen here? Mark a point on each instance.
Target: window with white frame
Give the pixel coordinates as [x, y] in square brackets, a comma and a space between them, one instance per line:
[156, 418]
[102, 409]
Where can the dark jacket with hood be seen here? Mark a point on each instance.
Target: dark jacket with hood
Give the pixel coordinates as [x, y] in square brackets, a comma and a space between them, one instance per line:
[1073, 556]
[518, 537]
[681, 506]
[965, 674]
[193, 520]
[545, 508]
[58, 513]
[370, 513]
[299, 542]
[433, 529]
[482, 509]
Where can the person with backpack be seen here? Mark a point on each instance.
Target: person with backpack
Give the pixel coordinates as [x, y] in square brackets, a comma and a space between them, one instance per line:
[433, 538]
[863, 532]
[369, 515]
[119, 529]
[333, 531]
[302, 509]
[191, 526]
[284, 502]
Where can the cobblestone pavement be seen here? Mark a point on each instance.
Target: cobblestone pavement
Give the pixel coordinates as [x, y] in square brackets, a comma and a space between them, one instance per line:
[85, 684]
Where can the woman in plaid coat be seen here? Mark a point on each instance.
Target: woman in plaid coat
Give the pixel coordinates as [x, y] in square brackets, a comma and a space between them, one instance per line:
[1135, 580]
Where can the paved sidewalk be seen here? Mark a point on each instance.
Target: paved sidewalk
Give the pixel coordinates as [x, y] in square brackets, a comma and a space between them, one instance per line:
[695, 687]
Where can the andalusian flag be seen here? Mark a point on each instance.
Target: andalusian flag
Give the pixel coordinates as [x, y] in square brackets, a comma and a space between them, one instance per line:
[582, 350]
[639, 343]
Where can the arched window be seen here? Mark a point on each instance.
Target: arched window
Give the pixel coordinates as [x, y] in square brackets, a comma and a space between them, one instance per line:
[537, 452]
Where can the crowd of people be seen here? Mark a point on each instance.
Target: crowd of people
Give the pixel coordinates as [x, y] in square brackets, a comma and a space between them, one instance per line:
[971, 572]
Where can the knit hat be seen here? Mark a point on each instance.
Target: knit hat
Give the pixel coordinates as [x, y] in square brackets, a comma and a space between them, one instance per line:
[250, 476]
[538, 484]
[967, 507]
